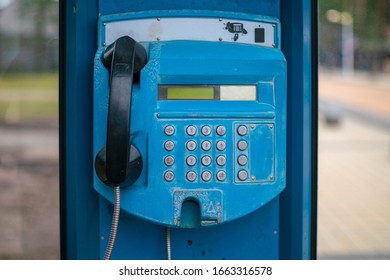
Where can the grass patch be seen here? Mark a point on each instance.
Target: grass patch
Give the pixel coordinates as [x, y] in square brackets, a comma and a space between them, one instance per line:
[30, 81]
[28, 97]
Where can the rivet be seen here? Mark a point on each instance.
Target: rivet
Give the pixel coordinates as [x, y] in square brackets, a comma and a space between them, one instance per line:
[252, 126]
[273, 25]
[104, 23]
[220, 39]
[273, 45]
[220, 19]
[158, 19]
[158, 38]
[271, 126]
[275, 232]
[271, 177]
[253, 178]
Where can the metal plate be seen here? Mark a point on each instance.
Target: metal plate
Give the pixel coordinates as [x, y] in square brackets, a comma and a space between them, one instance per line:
[197, 29]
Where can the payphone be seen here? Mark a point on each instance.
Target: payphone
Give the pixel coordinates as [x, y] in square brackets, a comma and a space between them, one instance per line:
[189, 118]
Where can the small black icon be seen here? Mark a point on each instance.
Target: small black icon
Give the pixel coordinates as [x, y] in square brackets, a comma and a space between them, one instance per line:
[236, 28]
[259, 35]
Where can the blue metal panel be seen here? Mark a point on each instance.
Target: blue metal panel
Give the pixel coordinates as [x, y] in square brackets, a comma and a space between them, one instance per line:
[254, 236]
[296, 19]
[265, 7]
[79, 225]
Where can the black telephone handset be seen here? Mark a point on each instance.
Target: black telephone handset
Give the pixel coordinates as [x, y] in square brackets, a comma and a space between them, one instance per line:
[119, 162]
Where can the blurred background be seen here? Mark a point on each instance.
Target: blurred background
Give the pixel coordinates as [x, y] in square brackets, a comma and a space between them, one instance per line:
[354, 129]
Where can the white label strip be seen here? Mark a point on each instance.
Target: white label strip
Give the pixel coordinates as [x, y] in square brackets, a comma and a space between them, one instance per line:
[238, 93]
[199, 29]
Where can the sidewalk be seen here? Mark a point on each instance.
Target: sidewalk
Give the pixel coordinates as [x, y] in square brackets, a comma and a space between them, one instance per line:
[354, 172]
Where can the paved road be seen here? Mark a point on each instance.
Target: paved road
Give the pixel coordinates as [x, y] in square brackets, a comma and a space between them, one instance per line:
[29, 196]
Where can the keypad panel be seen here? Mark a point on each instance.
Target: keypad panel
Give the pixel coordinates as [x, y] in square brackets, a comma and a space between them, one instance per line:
[212, 152]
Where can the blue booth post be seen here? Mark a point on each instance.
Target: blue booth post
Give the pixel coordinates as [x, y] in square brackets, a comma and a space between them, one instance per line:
[264, 225]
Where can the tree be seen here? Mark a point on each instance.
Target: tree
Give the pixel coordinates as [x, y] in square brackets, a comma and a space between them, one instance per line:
[43, 12]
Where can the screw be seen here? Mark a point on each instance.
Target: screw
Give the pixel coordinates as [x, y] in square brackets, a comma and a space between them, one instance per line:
[271, 126]
[158, 19]
[273, 25]
[273, 45]
[275, 232]
[220, 39]
[220, 19]
[271, 177]
[158, 38]
[252, 126]
[104, 23]
[253, 178]
[104, 44]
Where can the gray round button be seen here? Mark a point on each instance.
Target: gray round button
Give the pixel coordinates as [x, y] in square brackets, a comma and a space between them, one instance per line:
[242, 160]
[169, 160]
[221, 175]
[242, 130]
[206, 145]
[191, 176]
[206, 130]
[206, 176]
[169, 145]
[206, 160]
[221, 130]
[169, 176]
[221, 160]
[221, 145]
[242, 175]
[191, 145]
[242, 145]
[191, 130]
[191, 160]
[169, 130]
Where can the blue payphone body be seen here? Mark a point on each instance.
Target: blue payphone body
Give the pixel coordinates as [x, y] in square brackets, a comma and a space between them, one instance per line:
[208, 118]
[198, 149]
[208, 115]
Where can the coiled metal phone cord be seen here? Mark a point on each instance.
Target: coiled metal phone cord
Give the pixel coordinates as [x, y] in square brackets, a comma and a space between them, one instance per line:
[114, 223]
[168, 242]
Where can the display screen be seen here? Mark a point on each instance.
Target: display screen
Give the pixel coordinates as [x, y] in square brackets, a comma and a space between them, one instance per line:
[207, 92]
[192, 93]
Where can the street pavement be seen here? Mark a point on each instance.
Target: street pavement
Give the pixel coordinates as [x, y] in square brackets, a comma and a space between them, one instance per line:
[354, 168]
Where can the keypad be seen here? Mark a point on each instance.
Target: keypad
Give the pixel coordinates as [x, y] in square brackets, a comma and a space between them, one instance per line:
[209, 152]
[203, 147]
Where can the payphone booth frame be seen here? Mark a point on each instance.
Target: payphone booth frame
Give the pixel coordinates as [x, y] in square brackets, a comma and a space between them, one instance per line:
[79, 204]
